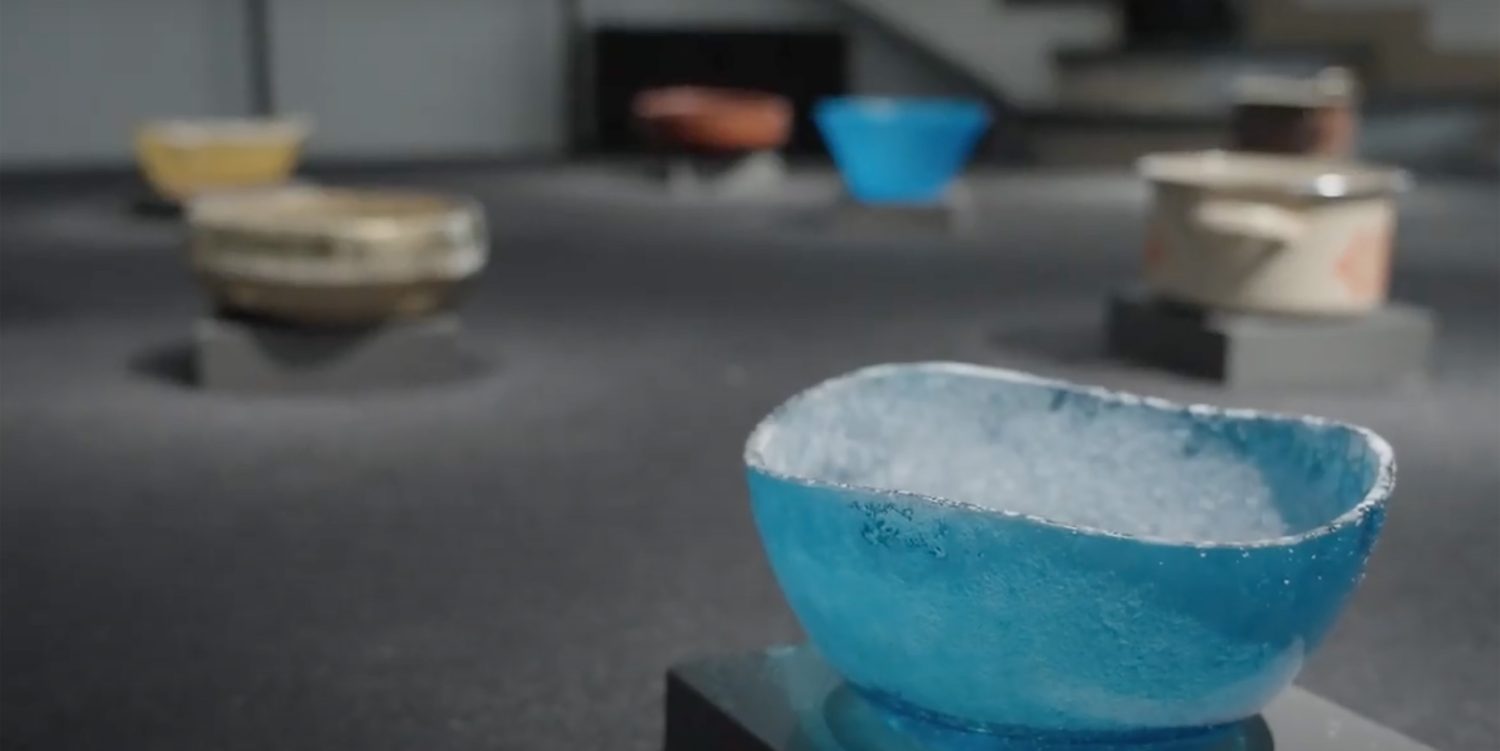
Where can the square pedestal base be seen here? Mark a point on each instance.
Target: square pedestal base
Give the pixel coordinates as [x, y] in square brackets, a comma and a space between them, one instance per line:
[235, 353]
[787, 698]
[1242, 349]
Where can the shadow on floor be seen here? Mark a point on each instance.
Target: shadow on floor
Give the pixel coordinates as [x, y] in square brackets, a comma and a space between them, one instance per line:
[170, 363]
[1069, 341]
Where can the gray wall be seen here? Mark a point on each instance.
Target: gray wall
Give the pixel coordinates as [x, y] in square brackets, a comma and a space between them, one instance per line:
[77, 75]
[408, 78]
[882, 64]
[387, 79]
[1453, 25]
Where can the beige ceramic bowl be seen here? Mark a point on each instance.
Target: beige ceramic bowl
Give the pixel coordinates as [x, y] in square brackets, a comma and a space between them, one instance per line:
[335, 257]
[1270, 234]
[186, 158]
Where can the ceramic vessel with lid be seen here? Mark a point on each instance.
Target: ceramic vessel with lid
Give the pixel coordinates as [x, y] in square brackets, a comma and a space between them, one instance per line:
[1270, 234]
[335, 256]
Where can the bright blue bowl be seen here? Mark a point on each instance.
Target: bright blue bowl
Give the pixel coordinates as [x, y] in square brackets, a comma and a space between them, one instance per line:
[905, 151]
[983, 552]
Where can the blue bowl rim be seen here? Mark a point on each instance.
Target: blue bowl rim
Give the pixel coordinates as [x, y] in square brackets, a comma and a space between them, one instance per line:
[908, 104]
[1374, 498]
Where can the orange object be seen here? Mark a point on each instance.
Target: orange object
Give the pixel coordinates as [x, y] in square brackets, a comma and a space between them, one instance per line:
[712, 119]
[1365, 267]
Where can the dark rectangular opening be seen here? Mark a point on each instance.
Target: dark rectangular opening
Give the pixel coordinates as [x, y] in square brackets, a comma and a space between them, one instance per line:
[1155, 24]
[801, 65]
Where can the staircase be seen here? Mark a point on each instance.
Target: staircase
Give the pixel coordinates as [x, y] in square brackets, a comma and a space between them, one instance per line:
[1006, 47]
[1424, 106]
[1399, 38]
[1091, 98]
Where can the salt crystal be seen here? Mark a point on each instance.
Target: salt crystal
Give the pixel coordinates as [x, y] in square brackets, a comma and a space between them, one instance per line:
[1021, 448]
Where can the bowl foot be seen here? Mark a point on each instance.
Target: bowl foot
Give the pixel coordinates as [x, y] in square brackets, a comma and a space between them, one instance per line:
[786, 698]
[934, 733]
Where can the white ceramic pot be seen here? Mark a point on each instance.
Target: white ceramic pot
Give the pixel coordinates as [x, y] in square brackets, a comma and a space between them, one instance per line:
[334, 256]
[1270, 234]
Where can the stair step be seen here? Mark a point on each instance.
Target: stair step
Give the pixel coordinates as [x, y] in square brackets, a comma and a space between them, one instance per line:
[1451, 134]
[1008, 50]
[1398, 37]
[1168, 54]
[1182, 81]
[1384, 101]
[1297, 21]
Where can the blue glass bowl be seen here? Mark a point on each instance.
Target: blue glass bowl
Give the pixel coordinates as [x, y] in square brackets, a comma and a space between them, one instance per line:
[986, 554]
[903, 151]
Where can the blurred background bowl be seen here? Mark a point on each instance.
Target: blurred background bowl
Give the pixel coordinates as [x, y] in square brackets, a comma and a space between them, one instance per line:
[895, 150]
[185, 158]
[697, 118]
[320, 256]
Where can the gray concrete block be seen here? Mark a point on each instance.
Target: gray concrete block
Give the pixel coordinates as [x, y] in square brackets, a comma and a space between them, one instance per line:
[1242, 349]
[242, 354]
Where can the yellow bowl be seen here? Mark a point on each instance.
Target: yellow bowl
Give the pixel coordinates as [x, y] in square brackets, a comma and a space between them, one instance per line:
[185, 158]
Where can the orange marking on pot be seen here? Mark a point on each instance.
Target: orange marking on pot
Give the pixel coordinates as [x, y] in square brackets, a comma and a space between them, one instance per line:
[1365, 265]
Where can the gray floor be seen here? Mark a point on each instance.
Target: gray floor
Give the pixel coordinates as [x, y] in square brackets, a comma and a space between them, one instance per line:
[511, 562]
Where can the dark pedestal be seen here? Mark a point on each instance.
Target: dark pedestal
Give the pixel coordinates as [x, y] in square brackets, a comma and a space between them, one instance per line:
[154, 206]
[235, 353]
[1242, 349]
[788, 699]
